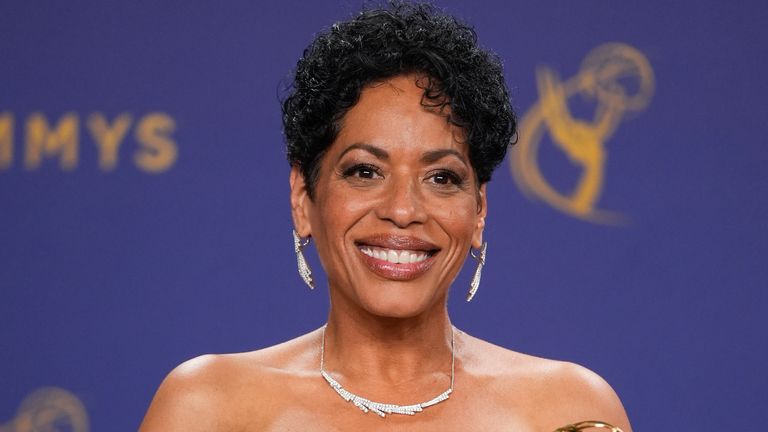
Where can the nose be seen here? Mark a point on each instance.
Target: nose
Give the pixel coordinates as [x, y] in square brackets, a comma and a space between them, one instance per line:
[403, 203]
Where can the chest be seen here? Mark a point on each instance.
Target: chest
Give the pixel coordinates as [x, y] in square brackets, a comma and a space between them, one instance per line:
[292, 420]
[325, 411]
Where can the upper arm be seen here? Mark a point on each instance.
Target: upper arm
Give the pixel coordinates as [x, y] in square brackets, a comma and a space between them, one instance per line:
[187, 400]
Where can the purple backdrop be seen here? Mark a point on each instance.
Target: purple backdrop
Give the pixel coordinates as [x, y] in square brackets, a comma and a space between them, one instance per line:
[144, 212]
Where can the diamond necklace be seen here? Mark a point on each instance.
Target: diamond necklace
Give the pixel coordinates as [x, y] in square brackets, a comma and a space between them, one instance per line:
[382, 409]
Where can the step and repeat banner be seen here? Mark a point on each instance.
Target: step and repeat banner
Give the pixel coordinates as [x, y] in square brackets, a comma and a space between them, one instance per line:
[144, 215]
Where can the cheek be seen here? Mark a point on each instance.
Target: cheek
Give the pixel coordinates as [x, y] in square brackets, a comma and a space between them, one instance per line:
[459, 219]
[335, 212]
[341, 206]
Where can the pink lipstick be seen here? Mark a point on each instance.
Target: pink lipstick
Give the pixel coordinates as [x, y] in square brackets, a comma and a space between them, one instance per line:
[400, 258]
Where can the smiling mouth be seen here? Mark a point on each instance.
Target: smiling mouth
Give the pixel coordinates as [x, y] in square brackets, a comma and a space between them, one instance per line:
[397, 258]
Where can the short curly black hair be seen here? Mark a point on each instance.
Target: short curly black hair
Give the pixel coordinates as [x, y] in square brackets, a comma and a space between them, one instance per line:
[395, 39]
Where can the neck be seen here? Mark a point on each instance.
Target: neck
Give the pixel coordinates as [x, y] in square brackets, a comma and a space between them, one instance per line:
[388, 349]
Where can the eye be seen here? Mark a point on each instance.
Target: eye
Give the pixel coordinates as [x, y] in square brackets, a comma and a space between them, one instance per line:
[445, 177]
[362, 171]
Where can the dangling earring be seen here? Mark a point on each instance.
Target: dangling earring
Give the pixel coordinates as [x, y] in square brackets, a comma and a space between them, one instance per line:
[480, 258]
[304, 271]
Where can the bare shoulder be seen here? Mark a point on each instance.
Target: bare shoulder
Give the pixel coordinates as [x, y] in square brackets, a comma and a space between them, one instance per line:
[551, 393]
[221, 392]
[190, 397]
[576, 393]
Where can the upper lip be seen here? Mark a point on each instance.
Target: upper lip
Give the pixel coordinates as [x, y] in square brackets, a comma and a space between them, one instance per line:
[396, 242]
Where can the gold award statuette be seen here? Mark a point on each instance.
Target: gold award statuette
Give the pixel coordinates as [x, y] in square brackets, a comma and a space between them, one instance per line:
[590, 424]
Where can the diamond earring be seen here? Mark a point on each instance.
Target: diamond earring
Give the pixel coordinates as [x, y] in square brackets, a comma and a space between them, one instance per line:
[304, 271]
[479, 256]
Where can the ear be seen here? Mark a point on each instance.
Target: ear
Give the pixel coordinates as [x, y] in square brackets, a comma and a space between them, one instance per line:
[300, 203]
[482, 212]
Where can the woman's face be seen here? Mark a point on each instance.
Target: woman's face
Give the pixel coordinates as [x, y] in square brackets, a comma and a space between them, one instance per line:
[396, 204]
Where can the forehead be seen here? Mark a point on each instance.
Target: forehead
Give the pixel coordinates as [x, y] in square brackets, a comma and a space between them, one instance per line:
[391, 114]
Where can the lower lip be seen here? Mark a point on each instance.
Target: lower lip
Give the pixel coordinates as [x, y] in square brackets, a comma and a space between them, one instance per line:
[397, 272]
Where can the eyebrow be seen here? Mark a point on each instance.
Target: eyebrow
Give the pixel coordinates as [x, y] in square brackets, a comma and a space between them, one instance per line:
[436, 155]
[428, 157]
[376, 151]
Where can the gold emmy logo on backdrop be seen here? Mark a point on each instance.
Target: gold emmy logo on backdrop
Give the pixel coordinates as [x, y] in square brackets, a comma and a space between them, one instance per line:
[619, 79]
[39, 141]
[49, 409]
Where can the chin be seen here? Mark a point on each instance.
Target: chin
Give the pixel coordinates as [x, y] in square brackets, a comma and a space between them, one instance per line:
[396, 302]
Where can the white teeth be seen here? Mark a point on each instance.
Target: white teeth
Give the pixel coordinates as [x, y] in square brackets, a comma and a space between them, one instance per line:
[404, 257]
[392, 257]
[395, 256]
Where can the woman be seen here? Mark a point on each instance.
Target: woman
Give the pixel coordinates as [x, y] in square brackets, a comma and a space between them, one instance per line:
[394, 125]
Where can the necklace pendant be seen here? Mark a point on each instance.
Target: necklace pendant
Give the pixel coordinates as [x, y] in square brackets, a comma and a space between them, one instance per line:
[382, 409]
